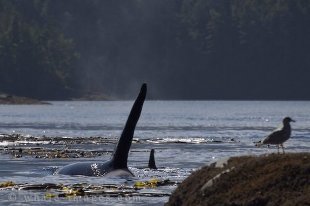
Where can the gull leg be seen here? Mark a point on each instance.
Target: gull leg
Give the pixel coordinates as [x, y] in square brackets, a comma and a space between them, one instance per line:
[278, 149]
[282, 148]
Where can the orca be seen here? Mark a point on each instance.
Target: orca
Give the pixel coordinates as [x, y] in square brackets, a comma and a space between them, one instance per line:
[117, 165]
[152, 164]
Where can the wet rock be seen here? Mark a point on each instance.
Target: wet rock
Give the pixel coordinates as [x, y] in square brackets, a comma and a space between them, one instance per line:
[249, 180]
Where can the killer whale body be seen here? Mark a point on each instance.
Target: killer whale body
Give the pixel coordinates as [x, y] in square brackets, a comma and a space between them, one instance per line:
[117, 165]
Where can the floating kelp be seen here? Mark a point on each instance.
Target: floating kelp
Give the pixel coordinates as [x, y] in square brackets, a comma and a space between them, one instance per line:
[68, 192]
[46, 147]
[7, 184]
[44, 186]
[139, 188]
[145, 184]
[153, 183]
[19, 139]
[51, 153]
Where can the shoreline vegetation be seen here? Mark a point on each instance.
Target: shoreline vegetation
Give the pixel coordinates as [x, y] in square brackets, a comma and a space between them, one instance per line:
[248, 180]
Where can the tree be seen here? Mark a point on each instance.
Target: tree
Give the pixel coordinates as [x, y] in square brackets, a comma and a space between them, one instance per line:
[36, 58]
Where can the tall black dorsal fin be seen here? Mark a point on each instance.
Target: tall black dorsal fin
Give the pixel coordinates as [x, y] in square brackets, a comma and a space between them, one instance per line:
[152, 164]
[120, 156]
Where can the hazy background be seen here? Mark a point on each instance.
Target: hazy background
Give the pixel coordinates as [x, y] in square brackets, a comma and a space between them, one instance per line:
[184, 49]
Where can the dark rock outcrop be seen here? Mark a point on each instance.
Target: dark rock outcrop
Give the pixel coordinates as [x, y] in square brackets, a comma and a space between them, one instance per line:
[249, 180]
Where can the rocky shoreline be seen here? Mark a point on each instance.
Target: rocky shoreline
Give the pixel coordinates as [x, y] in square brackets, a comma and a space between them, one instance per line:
[11, 99]
[248, 180]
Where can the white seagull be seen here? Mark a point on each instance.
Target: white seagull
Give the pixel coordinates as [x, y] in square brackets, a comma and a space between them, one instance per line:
[279, 136]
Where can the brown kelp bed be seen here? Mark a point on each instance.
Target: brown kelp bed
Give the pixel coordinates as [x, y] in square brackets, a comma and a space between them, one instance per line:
[19, 145]
[45, 152]
[27, 148]
[52, 190]
[274, 179]
[28, 139]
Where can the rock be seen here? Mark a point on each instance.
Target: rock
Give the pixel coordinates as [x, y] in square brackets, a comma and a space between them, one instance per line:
[211, 181]
[249, 180]
[9, 99]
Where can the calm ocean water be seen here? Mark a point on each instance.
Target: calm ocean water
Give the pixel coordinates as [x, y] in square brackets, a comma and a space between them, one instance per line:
[185, 134]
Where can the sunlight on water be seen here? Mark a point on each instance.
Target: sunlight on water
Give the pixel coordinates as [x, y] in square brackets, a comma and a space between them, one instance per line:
[185, 135]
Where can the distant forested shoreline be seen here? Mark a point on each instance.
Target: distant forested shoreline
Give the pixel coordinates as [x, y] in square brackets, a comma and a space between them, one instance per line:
[184, 49]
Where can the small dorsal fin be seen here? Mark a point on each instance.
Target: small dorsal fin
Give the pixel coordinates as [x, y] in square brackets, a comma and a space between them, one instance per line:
[152, 164]
[120, 156]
